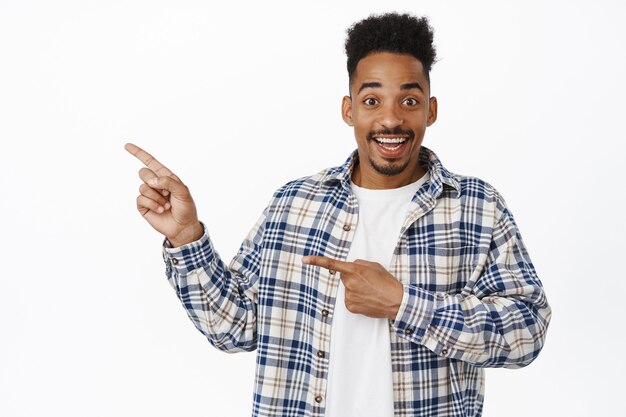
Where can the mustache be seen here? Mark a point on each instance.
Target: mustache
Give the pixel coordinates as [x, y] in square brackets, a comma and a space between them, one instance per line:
[389, 132]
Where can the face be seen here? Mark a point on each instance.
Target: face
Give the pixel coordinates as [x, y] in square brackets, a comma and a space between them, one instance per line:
[389, 108]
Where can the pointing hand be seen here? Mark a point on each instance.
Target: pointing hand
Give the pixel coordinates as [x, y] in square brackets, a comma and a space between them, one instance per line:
[164, 201]
[370, 289]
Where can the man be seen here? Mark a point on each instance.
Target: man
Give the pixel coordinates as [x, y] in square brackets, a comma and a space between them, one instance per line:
[381, 287]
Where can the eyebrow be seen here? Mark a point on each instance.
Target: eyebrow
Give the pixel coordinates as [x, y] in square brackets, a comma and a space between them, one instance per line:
[407, 86]
[369, 85]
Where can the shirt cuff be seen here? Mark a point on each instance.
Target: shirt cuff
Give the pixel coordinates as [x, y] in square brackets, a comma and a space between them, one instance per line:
[415, 313]
[189, 257]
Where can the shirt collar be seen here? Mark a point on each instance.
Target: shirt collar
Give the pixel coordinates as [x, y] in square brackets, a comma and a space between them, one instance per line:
[440, 177]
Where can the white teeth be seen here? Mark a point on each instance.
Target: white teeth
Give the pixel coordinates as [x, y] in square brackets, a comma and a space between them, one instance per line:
[390, 140]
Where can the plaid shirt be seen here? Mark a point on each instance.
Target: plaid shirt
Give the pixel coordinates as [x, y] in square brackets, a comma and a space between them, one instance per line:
[471, 300]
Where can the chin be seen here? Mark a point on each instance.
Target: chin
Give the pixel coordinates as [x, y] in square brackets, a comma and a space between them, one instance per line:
[389, 168]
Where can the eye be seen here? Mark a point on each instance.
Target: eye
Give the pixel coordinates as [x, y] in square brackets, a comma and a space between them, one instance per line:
[370, 101]
[411, 102]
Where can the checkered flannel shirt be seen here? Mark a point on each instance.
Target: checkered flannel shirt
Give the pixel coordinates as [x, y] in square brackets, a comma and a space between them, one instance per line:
[471, 300]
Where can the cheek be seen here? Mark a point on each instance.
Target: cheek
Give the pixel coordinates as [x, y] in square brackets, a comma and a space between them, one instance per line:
[363, 117]
[364, 126]
[361, 135]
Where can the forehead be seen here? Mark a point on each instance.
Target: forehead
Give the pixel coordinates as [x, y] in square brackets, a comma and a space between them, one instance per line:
[389, 69]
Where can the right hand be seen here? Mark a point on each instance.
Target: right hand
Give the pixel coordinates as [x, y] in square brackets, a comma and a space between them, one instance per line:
[165, 202]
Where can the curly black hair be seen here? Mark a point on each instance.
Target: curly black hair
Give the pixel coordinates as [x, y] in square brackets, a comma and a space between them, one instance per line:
[391, 32]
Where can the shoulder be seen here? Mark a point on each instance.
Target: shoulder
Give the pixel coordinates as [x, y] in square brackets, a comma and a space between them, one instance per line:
[474, 187]
[303, 184]
[320, 183]
[317, 187]
[478, 194]
[310, 183]
[469, 189]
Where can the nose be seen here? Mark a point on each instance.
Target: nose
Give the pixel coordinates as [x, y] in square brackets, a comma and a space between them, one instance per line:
[390, 116]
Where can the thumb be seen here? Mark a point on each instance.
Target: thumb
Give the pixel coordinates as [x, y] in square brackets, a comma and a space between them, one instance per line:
[176, 188]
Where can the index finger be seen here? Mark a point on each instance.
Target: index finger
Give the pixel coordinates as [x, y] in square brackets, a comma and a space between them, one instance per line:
[148, 160]
[329, 263]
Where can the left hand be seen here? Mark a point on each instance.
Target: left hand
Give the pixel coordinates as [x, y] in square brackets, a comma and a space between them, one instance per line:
[370, 289]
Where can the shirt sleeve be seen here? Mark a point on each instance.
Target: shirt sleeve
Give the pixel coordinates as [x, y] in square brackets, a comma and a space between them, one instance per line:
[498, 320]
[220, 300]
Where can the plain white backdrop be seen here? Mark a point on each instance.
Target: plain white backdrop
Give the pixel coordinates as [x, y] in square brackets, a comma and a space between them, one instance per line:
[240, 97]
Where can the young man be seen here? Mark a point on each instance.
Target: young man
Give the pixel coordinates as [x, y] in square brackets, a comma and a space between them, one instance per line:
[381, 287]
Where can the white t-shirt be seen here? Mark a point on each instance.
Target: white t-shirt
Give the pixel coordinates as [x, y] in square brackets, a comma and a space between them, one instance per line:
[359, 381]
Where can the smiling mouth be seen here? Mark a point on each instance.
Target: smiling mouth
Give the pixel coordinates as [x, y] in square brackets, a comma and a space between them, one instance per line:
[390, 143]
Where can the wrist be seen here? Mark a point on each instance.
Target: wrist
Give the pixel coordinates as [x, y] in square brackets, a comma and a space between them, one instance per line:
[396, 301]
[187, 235]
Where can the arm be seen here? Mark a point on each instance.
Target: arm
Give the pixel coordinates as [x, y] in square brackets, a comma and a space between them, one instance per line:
[219, 300]
[499, 319]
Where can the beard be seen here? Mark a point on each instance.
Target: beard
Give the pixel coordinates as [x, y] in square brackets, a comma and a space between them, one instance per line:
[391, 168]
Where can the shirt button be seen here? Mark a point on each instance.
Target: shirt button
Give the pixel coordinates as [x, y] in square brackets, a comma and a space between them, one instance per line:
[444, 351]
[332, 271]
[347, 227]
[175, 261]
[318, 399]
[408, 331]
[321, 354]
[325, 313]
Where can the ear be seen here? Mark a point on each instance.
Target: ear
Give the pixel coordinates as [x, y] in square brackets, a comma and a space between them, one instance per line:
[432, 111]
[346, 110]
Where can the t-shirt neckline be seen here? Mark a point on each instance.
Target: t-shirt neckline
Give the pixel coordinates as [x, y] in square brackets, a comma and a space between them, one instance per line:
[389, 193]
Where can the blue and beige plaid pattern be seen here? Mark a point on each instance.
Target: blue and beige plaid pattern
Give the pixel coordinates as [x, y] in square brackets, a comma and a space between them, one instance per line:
[471, 300]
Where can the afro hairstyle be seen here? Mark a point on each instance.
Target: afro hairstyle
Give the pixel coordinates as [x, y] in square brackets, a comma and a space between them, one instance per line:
[391, 32]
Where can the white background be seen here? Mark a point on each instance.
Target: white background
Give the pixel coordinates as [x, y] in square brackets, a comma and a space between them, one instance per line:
[238, 99]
